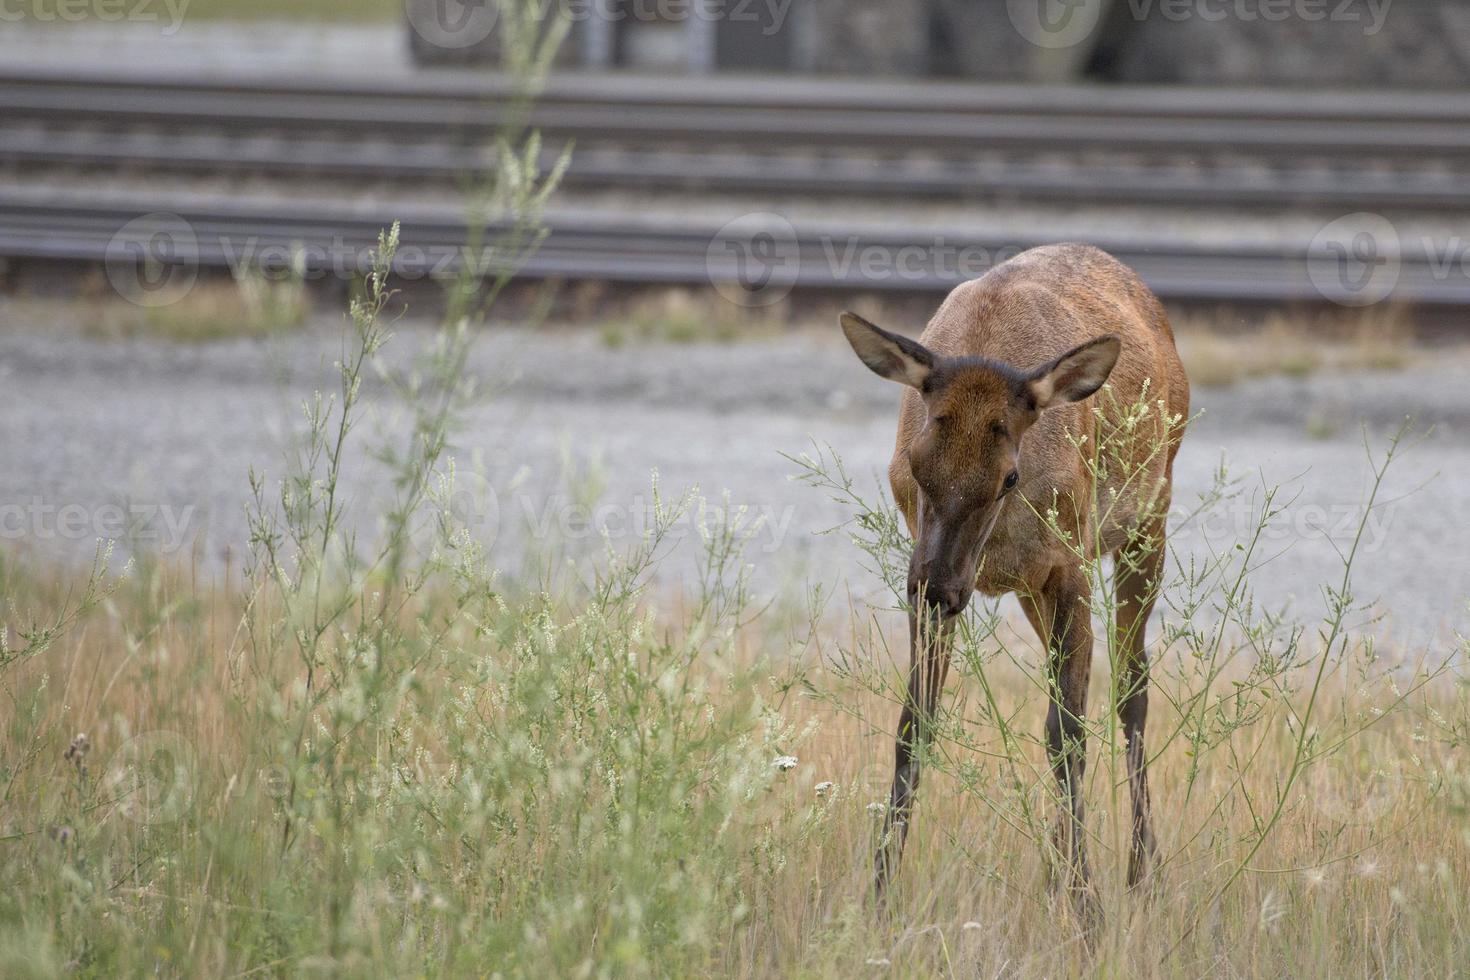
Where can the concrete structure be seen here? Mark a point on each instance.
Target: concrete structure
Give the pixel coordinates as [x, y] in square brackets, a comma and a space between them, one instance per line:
[1341, 43]
[1331, 42]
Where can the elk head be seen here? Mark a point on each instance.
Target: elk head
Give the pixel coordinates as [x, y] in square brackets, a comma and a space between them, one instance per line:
[966, 456]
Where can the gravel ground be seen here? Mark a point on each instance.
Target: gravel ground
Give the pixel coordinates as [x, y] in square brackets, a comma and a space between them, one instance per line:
[95, 430]
[165, 41]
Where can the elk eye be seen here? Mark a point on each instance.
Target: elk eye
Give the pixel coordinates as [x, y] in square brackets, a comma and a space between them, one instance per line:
[1012, 478]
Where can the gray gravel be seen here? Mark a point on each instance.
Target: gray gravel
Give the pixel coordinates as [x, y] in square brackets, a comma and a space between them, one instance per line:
[161, 37]
[167, 433]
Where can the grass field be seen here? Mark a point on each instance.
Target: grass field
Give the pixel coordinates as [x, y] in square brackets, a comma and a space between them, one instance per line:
[483, 778]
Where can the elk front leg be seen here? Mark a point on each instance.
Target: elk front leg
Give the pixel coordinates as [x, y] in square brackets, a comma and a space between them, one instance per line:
[929, 643]
[1062, 620]
[1137, 574]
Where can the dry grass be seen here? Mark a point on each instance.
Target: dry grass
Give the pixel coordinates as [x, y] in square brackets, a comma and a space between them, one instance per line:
[1340, 888]
[1367, 873]
[213, 309]
[685, 316]
[1376, 339]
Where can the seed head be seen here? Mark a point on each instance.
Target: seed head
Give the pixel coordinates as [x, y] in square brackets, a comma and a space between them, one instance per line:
[78, 749]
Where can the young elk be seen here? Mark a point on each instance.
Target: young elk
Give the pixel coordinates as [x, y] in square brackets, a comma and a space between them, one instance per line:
[992, 473]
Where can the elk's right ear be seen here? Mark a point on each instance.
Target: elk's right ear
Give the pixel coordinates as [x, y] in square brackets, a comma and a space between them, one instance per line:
[888, 354]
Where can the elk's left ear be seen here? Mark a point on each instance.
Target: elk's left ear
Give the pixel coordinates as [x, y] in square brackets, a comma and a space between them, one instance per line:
[1076, 374]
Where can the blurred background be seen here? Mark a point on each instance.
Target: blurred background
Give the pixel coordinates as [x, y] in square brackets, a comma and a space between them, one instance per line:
[190, 191]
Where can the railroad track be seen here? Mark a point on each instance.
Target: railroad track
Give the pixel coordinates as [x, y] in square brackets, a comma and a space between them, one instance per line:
[228, 234]
[1186, 147]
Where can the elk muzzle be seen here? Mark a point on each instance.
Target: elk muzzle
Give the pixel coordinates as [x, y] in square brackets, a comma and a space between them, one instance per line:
[945, 560]
[940, 583]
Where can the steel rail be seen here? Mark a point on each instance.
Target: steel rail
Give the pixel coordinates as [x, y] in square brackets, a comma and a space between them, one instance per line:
[625, 88]
[617, 248]
[1047, 125]
[745, 171]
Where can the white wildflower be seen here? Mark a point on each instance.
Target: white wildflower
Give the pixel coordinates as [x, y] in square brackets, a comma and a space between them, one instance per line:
[785, 763]
[824, 787]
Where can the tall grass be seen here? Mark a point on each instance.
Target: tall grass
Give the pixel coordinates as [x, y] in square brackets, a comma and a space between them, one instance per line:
[432, 770]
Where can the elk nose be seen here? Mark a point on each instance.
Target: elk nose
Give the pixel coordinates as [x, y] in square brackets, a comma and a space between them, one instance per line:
[945, 599]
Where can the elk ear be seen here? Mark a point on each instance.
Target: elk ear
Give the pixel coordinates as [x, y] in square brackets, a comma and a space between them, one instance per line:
[888, 354]
[1076, 374]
